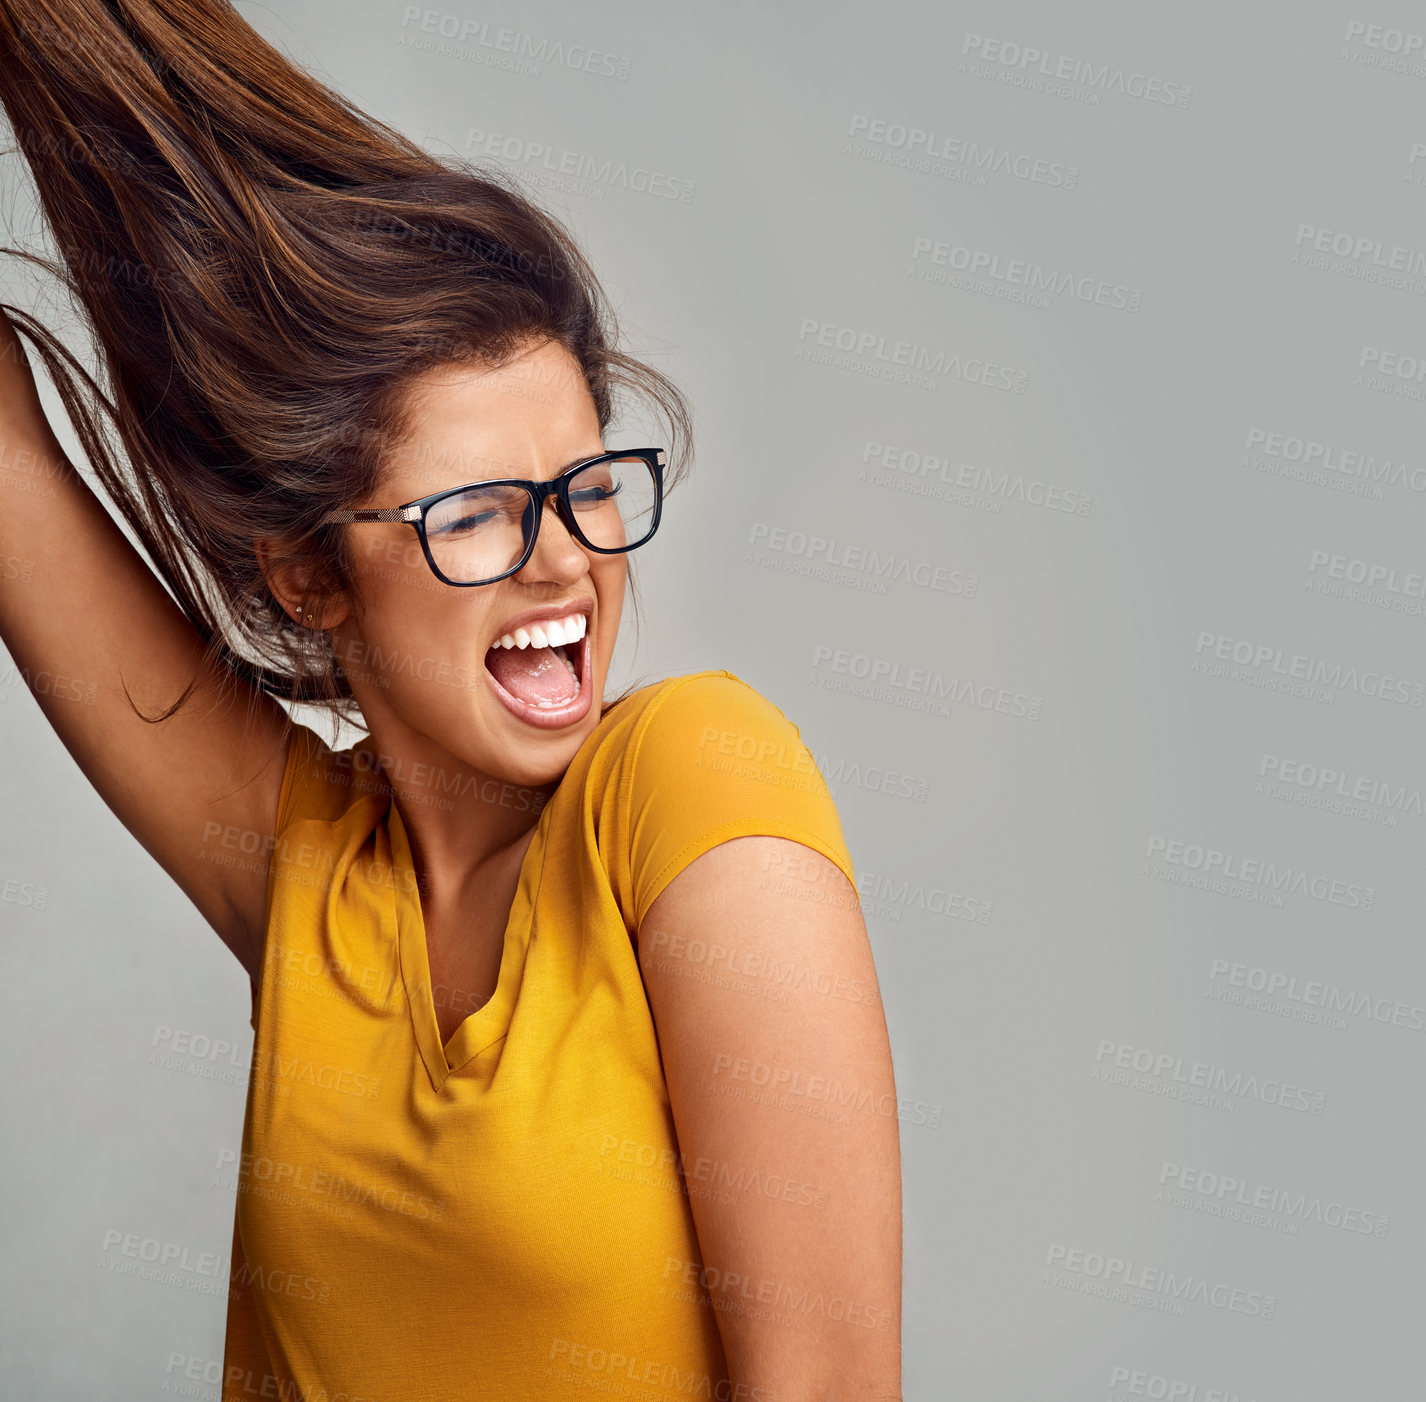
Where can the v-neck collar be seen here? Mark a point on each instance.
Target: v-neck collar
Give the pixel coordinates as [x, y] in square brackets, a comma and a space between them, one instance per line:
[490, 1022]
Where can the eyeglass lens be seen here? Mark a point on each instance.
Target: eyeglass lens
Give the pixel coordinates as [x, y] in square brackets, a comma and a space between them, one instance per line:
[480, 533]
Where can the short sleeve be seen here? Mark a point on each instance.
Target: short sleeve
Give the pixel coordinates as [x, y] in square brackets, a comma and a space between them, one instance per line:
[714, 759]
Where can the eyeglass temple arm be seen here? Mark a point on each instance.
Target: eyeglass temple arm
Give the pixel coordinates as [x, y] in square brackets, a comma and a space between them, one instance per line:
[391, 513]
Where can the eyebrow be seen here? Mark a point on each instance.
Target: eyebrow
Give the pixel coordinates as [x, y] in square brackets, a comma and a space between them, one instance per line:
[559, 471]
[506, 473]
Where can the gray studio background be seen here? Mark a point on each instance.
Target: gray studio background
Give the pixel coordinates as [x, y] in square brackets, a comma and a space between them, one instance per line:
[1062, 473]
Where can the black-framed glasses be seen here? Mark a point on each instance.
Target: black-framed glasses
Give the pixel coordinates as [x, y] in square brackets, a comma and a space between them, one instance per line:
[486, 531]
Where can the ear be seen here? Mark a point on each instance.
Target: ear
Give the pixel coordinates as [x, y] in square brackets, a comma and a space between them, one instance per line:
[299, 584]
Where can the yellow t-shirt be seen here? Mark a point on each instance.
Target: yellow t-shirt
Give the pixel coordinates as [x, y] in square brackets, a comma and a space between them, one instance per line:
[503, 1218]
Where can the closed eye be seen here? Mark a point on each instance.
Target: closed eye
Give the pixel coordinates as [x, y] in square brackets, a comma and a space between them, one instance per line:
[465, 523]
[594, 496]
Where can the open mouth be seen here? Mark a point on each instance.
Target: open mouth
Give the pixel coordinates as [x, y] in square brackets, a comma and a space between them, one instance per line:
[545, 686]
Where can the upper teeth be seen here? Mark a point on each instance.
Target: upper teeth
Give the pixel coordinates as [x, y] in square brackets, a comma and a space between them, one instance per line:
[552, 632]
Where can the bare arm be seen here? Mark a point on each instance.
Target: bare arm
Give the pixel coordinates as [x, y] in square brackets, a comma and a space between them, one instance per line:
[798, 1092]
[79, 610]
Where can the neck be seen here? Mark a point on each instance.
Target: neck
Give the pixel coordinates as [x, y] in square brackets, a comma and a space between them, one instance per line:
[459, 821]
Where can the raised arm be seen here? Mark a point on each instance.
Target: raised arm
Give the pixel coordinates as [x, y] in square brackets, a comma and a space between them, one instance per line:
[83, 616]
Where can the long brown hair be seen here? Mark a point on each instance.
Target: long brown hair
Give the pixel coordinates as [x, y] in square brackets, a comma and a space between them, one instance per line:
[265, 269]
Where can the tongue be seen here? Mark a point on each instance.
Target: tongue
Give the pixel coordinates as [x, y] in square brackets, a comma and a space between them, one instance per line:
[534, 674]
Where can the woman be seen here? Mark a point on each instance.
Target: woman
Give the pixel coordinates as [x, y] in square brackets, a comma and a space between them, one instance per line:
[570, 1069]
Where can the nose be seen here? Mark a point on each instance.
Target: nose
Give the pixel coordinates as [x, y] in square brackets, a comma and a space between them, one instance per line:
[553, 504]
[555, 548]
